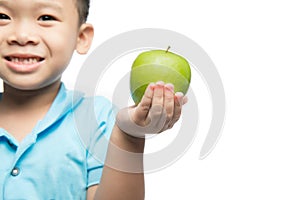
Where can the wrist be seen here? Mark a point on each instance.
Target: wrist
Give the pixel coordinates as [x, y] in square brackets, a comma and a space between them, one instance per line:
[127, 142]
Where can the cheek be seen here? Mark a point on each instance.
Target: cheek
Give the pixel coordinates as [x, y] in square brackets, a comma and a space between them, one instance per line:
[63, 46]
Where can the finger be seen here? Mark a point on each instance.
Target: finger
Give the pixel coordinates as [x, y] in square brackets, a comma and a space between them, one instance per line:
[142, 109]
[169, 102]
[158, 95]
[157, 114]
[178, 102]
[185, 100]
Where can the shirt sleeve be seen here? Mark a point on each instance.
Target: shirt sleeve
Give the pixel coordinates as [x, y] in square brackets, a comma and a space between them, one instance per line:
[104, 113]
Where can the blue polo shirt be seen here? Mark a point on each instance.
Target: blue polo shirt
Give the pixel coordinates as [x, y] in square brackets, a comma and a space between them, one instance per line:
[64, 153]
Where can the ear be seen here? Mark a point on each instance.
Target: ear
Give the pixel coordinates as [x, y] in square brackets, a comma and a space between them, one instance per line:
[85, 38]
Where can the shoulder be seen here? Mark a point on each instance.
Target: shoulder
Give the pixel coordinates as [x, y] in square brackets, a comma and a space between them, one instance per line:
[95, 112]
[98, 104]
[88, 109]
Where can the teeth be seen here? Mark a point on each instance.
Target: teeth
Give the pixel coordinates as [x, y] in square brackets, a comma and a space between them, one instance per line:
[25, 61]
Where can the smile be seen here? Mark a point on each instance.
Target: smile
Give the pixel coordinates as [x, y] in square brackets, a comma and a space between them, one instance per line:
[24, 60]
[23, 64]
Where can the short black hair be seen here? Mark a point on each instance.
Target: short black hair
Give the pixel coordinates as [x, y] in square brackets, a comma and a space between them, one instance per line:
[83, 10]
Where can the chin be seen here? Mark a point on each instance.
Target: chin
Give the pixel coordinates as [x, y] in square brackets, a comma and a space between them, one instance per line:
[30, 86]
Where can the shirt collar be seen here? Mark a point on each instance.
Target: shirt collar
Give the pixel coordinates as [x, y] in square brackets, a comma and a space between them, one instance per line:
[64, 102]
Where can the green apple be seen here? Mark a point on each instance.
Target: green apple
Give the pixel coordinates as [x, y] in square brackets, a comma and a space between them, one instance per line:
[159, 65]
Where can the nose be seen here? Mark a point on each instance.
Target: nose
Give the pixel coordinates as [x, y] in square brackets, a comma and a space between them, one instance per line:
[23, 34]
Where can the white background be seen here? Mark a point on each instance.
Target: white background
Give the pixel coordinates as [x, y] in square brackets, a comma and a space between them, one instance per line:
[255, 46]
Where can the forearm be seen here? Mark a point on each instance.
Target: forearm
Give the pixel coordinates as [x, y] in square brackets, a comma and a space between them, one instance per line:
[123, 176]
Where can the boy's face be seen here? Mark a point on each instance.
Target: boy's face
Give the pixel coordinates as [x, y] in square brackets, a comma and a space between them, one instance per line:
[37, 40]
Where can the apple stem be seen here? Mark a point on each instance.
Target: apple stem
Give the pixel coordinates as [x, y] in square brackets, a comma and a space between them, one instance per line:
[168, 49]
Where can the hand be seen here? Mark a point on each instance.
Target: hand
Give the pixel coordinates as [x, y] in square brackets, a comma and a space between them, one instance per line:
[158, 111]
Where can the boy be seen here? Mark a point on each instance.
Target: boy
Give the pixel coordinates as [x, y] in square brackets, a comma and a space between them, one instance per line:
[41, 154]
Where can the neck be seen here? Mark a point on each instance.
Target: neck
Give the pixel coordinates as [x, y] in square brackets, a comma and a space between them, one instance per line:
[39, 98]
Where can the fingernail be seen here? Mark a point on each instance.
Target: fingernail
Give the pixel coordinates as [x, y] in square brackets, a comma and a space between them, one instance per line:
[151, 85]
[179, 94]
[170, 86]
[160, 83]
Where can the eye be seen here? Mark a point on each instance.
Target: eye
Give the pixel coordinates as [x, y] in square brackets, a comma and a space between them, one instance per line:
[4, 17]
[47, 18]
